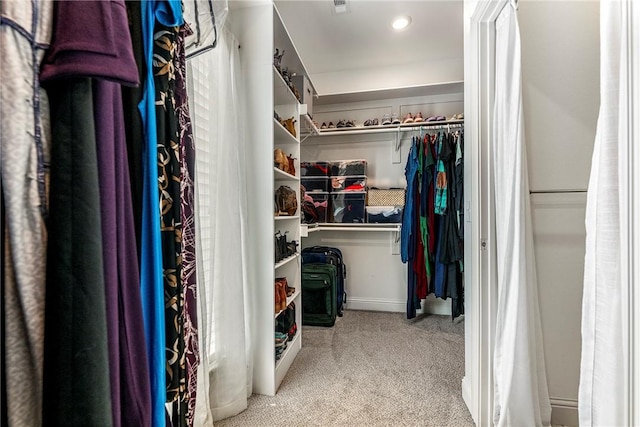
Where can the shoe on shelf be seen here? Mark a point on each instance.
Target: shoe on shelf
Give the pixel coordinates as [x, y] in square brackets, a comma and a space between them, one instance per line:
[278, 303]
[431, 119]
[341, 124]
[386, 120]
[394, 119]
[440, 118]
[350, 124]
[418, 118]
[368, 122]
[331, 125]
[374, 122]
[408, 118]
[324, 125]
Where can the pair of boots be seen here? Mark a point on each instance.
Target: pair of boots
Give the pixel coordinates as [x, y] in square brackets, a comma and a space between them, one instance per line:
[281, 294]
[282, 291]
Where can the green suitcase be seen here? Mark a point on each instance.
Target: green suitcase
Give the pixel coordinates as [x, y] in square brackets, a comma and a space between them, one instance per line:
[319, 290]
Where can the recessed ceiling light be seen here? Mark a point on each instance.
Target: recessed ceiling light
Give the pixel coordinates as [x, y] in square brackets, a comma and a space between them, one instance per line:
[401, 22]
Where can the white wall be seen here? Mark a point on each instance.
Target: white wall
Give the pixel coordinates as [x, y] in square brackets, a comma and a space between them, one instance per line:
[560, 70]
[380, 78]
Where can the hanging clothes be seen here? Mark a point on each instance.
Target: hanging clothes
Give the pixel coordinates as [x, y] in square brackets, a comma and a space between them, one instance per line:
[431, 228]
[131, 97]
[25, 33]
[187, 198]
[169, 174]
[76, 367]
[409, 230]
[168, 13]
[88, 114]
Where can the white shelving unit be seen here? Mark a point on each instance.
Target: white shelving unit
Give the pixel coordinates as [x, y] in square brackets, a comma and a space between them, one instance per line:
[259, 29]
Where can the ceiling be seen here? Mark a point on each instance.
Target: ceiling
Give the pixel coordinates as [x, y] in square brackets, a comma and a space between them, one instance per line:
[353, 45]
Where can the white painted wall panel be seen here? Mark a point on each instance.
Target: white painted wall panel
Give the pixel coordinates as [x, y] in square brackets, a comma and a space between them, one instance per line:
[559, 238]
[560, 70]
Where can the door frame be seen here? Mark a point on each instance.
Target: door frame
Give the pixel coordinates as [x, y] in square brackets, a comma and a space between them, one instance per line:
[481, 295]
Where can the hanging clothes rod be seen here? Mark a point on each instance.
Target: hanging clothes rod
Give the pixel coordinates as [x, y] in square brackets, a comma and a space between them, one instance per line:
[556, 191]
[408, 127]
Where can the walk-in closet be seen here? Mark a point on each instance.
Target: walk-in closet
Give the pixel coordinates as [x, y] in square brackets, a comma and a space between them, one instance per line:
[376, 167]
[319, 212]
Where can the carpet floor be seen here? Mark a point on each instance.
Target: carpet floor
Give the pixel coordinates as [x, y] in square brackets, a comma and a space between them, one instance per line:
[370, 369]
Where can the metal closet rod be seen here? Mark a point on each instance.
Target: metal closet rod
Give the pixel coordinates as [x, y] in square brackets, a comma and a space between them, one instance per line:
[556, 191]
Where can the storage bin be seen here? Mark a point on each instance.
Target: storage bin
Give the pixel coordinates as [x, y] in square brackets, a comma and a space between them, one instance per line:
[302, 83]
[348, 183]
[386, 197]
[321, 203]
[315, 168]
[348, 206]
[312, 184]
[349, 167]
[384, 214]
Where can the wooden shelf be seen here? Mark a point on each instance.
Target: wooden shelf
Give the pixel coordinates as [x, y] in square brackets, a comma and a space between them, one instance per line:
[285, 217]
[307, 127]
[391, 93]
[403, 127]
[359, 227]
[280, 174]
[282, 135]
[286, 261]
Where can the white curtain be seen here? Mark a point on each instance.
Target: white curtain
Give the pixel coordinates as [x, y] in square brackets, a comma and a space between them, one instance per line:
[521, 396]
[217, 106]
[605, 352]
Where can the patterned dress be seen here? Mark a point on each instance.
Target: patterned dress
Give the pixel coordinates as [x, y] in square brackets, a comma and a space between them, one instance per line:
[187, 153]
[169, 178]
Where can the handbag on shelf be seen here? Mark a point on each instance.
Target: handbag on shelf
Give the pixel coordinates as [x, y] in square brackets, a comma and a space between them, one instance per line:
[286, 201]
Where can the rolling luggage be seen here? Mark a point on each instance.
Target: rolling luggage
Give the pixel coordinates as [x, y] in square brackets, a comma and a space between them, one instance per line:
[319, 287]
[333, 256]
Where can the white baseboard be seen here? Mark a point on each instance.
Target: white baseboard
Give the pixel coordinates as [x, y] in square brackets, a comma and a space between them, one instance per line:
[429, 306]
[466, 396]
[564, 412]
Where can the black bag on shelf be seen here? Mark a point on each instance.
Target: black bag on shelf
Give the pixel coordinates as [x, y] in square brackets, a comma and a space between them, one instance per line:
[286, 321]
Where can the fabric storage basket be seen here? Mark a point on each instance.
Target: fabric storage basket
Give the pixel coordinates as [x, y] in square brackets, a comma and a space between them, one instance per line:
[315, 168]
[384, 214]
[386, 197]
[348, 206]
[348, 167]
[348, 183]
[312, 184]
